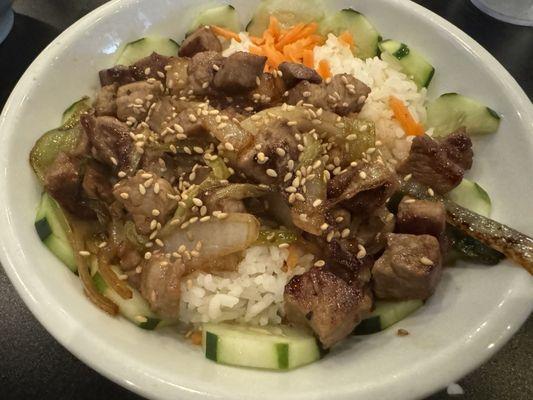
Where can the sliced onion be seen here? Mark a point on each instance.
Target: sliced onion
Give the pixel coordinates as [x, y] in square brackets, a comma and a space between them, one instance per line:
[217, 237]
[111, 278]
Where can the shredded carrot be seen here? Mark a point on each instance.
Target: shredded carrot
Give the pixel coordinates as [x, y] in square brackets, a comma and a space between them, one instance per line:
[347, 38]
[217, 30]
[323, 69]
[257, 40]
[404, 117]
[308, 58]
[273, 27]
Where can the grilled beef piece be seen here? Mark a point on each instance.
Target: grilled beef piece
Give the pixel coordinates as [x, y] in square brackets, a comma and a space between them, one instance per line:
[96, 183]
[177, 75]
[332, 299]
[134, 99]
[119, 74]
[292, 73]
[110, 140]
[421, 217]
[160, 285]
[63, 182]
[268, 93]
[140, 203]
[439, 165]
[239, 72]
[458, 147]
[152, 66]
[362, 189]
[343, 94]
[202, 39]
[106, 100]
[410, 267]
[371, 229]
[201, 72]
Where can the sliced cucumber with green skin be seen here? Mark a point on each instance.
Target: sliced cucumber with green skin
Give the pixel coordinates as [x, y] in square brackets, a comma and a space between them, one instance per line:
[385, 314]
[411, 62]
[471, 196]
[54, 231]
[288, 13]
[141, 48]
[452, 111]
[135, 310]
[366, 37]
[276, 347]
[224, 16]
[71, 115]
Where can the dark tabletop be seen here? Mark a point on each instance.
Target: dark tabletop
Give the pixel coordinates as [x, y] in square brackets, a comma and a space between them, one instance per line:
[34, 366]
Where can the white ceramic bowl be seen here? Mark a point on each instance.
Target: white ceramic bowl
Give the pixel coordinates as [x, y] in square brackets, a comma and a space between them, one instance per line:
[475, 310]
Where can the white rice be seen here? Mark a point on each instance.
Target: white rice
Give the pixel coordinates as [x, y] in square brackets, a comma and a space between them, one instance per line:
[253, 294]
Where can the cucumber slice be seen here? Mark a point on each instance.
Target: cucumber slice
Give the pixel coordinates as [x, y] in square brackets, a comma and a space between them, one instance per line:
[54, 231]
[141, 48]
[135, 310]
[288, 13]
[410, 61]
[71, 115]
[224, 16]
[451, 111]
[471, 196]
[278, 348]
[385, 314]
[366, 37]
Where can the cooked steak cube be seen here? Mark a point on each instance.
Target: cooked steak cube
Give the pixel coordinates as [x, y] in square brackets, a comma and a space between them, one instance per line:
[421, 217]
[292, 73]
[439, 165]
[152, 66]
[134, 99]
[202, 39]
[310, 93]
[119, 74]
[106, 100]
[239, 72]
[269, 91]
[410, 267]
[177, 75]
[96, 182]
[201, 72]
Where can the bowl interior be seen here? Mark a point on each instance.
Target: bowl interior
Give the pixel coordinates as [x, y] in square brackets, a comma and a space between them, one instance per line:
[474, 310]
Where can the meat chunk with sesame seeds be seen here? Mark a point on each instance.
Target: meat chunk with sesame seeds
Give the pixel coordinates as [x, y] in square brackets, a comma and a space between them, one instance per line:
[202, 39]
[293, 73]
[152, 66]
[344, 94]
[201, 72]
[96, 183]
[63, 182]
[439, 165]
[421, 217]
[119, 74]
[160, 285]
[239, 72]
[331, 299]
[177, 75]
[110, 140]
[410, 267]
[363, 188]
[134, 99]
[106, 100]
[268, 92]
[141, 195]
[263, 153]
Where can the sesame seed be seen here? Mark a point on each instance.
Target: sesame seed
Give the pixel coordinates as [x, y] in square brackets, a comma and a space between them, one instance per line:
[159, 242]
[362, 251]
[142, 189]
[283, 245]
[351, 137]
[299, 196]
[147, 255]
[280, 152]
[192, 118]
[409, 201]
[320, 263]
[113, 160]
[84, 253]
[124, 195]
[216, 67]
[206, 218]
[221, 215]
[329, 237]
[290, 189]
[287, 177]
[426, 261]
[148, 183]
[121, 174]
[317, 202]
[362, 175]
[292, 123]
[156, 188]
[271, 172]
[345, 233]
[228, 146]
[407, 177]
[197, 202]
[193, 220]
[147, 71]
[431, 192]
[339, 219]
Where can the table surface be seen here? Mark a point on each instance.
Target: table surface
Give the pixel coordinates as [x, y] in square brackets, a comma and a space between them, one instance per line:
[34, 365]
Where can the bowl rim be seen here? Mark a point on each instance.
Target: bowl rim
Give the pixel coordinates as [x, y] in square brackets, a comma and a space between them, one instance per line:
[142, 384]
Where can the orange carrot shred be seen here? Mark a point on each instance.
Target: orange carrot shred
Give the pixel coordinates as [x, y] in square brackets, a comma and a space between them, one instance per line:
[217, 30]
[347, 38]
[257, 40]
[323, 69]
[404, 117]
[308, 58]
[273, 27]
